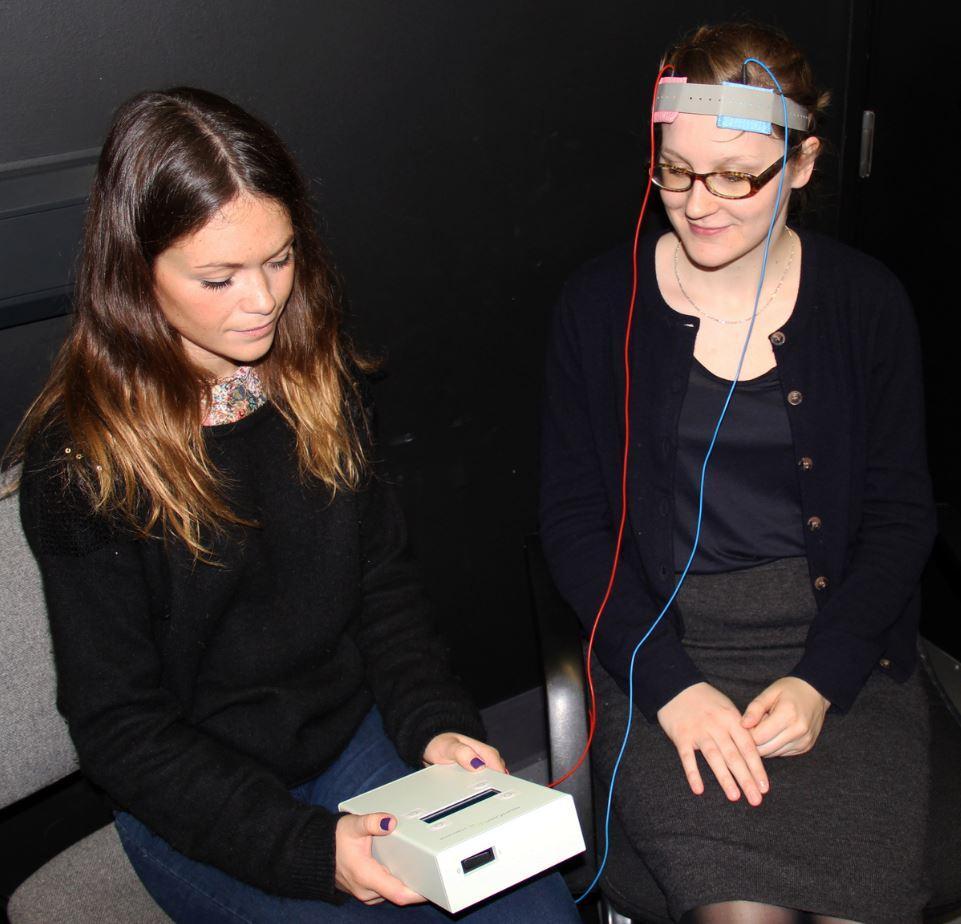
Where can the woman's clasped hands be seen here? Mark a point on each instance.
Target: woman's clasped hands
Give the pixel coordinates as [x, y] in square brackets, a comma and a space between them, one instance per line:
[784, 720]
[357, 872]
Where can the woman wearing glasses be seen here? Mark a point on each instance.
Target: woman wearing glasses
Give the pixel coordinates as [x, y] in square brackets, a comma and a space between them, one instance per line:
[778, 764]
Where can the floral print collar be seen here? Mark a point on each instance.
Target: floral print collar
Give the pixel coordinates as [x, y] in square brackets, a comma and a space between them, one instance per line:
[235, 397]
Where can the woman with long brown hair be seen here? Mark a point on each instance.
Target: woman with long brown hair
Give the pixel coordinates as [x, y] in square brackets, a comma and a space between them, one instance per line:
[239, 638]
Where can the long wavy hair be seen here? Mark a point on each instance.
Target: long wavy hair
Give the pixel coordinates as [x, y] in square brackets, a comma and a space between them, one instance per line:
[123, 385]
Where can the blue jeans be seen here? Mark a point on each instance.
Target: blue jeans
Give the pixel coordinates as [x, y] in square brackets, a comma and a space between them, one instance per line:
[196, 893]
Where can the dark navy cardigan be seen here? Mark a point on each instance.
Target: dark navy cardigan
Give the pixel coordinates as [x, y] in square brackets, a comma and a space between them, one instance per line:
[850, 370]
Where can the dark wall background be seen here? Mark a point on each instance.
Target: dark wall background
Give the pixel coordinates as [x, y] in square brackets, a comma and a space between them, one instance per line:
[465, 157]
[907, 224]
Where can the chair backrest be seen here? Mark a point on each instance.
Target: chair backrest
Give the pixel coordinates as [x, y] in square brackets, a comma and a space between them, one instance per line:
[562, 659]
[35, 748]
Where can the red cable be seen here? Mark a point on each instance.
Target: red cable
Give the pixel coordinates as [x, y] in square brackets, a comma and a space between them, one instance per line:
[592, 712]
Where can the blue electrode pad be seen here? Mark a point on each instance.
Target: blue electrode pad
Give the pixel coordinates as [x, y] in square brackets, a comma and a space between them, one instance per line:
[742, 123]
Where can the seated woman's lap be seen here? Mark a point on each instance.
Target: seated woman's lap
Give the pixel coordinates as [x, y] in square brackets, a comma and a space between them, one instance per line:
[842, 828]
[190, 892]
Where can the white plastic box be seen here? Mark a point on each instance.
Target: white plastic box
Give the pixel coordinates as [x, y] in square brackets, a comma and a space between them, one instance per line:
[463, 836]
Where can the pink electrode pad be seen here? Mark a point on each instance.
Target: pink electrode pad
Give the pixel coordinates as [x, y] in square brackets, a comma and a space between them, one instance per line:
[665, 115]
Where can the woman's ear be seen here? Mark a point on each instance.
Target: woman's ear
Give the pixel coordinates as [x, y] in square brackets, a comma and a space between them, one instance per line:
[803, 162]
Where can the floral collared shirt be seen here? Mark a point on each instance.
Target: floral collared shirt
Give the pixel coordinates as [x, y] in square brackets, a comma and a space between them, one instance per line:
[235, 397]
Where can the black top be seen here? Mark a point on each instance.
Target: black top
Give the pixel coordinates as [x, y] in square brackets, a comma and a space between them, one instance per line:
[197, 695]
[752, 509]
[849, 366]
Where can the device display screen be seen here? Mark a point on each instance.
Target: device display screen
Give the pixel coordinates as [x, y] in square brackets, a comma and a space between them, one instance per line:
[449, 810]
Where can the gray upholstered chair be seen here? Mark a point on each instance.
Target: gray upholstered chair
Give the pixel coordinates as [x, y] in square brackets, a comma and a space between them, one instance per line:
[92, 881]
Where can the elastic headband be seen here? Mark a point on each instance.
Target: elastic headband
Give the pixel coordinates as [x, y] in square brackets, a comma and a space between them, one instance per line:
[736, 105]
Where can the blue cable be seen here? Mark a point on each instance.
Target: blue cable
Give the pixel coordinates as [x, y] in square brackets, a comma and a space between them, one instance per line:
[700, 495]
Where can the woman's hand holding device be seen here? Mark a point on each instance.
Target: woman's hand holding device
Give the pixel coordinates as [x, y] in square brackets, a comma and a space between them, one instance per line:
[701, 718]
[786, 718]
[357, 872]
[471, 754]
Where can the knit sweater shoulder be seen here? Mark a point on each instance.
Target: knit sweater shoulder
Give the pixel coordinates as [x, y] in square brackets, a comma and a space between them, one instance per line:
[198, 694]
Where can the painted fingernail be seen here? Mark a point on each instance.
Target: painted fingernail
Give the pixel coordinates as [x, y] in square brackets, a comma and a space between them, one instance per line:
[477, 763]
[385, 824]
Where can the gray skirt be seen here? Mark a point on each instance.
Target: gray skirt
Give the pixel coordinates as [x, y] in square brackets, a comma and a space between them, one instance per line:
[842, 829]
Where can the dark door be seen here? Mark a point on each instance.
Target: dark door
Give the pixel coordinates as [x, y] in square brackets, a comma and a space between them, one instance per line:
[899, 204]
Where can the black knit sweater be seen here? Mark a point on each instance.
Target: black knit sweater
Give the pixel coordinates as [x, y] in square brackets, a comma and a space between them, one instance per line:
[197, 695]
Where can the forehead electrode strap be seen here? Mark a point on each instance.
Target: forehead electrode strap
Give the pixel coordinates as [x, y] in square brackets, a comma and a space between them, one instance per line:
[732, 103]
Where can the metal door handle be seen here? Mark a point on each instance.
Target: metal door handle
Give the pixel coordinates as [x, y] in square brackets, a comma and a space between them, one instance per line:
[867, 144]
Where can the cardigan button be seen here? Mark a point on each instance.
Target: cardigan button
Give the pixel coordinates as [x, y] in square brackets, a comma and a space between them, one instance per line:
[814, 523]
[794, 397]
[777, 338]
[820, 582]
[884, 664]
[806, 463]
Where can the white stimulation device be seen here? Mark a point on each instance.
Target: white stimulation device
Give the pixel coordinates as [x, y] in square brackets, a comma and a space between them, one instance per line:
[463, 836]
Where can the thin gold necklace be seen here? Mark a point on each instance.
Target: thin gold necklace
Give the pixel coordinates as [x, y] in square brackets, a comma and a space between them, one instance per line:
[711, 317]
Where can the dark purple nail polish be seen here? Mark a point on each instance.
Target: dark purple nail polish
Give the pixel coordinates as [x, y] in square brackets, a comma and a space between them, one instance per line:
[477, 763]
[385, 824]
